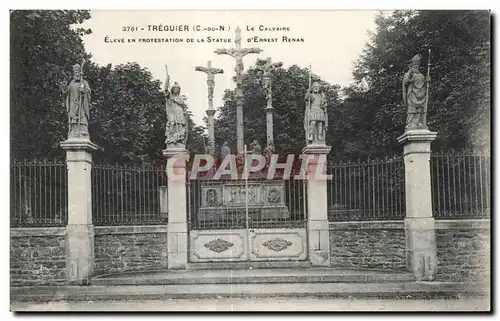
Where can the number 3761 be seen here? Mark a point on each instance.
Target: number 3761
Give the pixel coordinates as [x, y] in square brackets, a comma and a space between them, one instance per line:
[130, 28]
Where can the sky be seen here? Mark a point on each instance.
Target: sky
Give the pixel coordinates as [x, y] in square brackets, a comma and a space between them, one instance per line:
[333, 40]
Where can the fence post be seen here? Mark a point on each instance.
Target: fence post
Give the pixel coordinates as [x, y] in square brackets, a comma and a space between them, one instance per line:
[80, 230]
[318, 229]
[163, 196]
[420, 234]
[177, 243]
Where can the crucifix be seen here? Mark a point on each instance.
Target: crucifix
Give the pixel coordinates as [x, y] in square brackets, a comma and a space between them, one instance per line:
[211, 72]
[266, 70]
[238, 53]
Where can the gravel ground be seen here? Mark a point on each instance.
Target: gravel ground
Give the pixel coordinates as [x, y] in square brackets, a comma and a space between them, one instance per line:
[261, 304]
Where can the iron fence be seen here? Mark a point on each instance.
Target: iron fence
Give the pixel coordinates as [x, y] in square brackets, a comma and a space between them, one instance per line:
[129, 194]
[367, 190]
[461, 184]
[136, 194]
[224, 204]
[38, 193]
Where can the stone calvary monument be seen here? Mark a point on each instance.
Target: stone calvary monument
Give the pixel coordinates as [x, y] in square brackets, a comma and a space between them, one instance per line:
[267, 84]
[266, 198]
[249, 219]
[238, 53]
[210, 72]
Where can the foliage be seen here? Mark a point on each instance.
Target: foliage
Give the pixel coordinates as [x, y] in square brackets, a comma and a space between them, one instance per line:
[128, 117]
[128, 108]
[43, 47]
[371, 116]
[460, 88]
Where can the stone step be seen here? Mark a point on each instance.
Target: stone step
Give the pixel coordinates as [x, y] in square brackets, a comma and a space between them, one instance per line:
[248, 265]
[253, 276]
[401, 290]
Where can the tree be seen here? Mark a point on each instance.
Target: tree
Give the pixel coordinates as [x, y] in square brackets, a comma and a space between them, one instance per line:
[129, 115]
[128, 110]
[43, 47]
[459, 94]
[289, 87]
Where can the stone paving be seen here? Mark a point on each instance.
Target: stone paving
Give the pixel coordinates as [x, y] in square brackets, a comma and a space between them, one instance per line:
[241, 276]
[261, 304]
[193, 291]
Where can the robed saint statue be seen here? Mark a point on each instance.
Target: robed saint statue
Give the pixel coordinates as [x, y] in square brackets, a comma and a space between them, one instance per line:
[77, 103]
[416, 94]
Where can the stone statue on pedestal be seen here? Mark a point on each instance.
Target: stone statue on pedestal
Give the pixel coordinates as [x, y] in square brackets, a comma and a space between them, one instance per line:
[256, 148]
[266, 70]
[416, 94]
[316, 118]
[225, 150]
[176, 131]
[268, 153]
[77, 103]
[209, 150]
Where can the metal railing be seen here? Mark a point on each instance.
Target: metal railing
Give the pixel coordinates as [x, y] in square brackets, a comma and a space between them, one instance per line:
[128, 194]
[367, 190]
[136, 194]
[461, 186]
[38, 193]
[224, 204]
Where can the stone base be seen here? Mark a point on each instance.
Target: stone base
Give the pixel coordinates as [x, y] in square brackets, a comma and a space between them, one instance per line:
[80, 253]
[319, 242]
[176, 198]
[177, 246]
[316, 149]
[317, 226]
[78, 143]
[223, 214]
[421, 251]
[176, 150]
[417, 135]
[274, 213]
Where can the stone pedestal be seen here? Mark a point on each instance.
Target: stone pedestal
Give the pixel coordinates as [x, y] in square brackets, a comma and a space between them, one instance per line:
[420, 234]
[240, 147]
[80, 231]
[266, 201]
[317, 206]
[210, 124]
[163, 197]
[269, 125]
[177, 245]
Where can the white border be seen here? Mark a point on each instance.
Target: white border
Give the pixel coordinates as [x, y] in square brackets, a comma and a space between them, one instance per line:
[184, 4]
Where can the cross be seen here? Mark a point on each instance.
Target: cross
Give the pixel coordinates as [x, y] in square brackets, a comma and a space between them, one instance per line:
[238, 53]
[211, 72]
[268, 66]
[266, 69]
